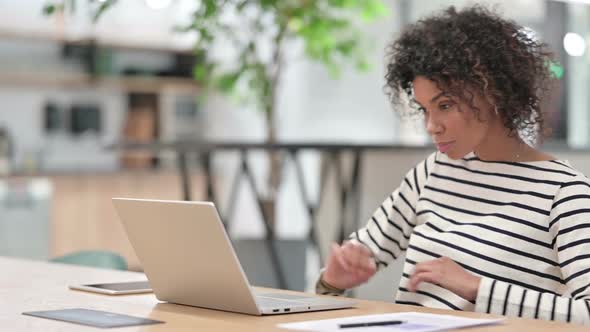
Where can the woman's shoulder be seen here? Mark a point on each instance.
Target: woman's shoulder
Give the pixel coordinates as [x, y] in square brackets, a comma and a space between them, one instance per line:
[547, 169]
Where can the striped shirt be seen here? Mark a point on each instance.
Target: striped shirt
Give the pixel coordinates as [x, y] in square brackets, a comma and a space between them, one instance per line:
[524, 228]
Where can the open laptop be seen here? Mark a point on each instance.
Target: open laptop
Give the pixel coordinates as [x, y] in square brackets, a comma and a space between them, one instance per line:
[189, 259]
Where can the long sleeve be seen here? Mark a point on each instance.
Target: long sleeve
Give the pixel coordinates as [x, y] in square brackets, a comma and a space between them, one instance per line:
[388, 231]
[569, 226]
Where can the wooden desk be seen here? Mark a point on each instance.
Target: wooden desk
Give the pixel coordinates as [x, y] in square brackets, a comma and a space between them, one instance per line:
[31, 286]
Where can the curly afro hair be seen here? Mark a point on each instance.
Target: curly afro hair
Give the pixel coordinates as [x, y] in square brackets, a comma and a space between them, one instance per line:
[475, 51]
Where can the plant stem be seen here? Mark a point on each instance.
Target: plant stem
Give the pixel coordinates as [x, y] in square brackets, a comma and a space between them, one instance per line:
[271, 102]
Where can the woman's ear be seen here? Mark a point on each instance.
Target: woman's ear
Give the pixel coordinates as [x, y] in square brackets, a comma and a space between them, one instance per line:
[490, 104]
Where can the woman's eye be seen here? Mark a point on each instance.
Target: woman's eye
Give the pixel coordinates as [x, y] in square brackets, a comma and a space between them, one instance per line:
[446, 106]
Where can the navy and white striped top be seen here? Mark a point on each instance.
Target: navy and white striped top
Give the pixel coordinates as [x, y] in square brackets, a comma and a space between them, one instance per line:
[523, 227]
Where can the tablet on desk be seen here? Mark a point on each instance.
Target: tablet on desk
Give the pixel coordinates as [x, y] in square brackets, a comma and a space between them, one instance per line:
[116, 288]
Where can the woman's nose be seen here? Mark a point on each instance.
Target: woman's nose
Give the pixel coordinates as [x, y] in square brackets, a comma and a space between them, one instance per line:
[433, 126]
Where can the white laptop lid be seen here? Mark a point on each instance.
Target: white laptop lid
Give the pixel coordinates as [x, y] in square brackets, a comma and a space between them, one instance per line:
[186, 254]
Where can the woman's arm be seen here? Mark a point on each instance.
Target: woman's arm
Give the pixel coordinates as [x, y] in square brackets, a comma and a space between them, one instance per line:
[386, 234]
[570, 227]
[388, 231]
[498, 297]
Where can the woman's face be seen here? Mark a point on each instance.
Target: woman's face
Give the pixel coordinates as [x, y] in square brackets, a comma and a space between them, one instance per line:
[451, 123]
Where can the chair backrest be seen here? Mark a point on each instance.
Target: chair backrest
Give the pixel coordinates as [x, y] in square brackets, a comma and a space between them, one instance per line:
[94, 258]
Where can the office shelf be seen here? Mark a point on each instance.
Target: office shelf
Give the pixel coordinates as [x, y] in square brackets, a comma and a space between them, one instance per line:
[98, 42]
[141, 84]
[86, 75]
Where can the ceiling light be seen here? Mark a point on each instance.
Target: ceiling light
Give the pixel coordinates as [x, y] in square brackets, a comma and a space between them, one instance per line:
[574, 44]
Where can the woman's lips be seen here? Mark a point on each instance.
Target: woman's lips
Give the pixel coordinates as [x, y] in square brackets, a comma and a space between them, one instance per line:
[444, 147]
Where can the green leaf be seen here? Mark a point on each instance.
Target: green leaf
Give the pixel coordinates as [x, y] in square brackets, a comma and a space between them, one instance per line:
[210, 8]
[104, 6]
[54, 7]
[200, 72]
[374, 9]
[240, 6]
[363, 65]
[227, 82]
[346, 47]
[49, 9]
[295, 24]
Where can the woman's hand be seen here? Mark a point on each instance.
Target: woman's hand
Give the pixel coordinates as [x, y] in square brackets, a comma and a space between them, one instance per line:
[349, 265]
[446, 273]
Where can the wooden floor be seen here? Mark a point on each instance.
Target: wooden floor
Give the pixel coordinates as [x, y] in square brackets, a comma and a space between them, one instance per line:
[83, 217]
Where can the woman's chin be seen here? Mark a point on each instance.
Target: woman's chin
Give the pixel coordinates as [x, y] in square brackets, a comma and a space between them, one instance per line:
[455, 155]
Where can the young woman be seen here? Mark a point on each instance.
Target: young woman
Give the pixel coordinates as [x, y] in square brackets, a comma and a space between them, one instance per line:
[488, 223]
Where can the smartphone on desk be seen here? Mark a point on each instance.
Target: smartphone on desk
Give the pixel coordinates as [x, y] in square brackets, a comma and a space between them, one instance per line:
[116, 288]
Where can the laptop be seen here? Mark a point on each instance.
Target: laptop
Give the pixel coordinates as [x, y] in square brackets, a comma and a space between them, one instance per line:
[189, 259]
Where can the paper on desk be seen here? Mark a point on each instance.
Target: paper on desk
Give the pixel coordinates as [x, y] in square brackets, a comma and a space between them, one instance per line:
[413, 322]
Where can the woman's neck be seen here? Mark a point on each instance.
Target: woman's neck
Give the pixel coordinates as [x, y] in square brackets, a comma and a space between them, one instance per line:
[500, 145]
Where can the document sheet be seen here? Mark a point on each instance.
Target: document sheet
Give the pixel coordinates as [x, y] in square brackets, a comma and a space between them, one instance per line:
[402, 322]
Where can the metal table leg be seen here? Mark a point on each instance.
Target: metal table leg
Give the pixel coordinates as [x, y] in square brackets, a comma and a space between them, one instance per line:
[184, 175]
[269, 238]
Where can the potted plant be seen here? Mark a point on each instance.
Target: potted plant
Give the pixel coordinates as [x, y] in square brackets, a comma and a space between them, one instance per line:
[328, 29]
